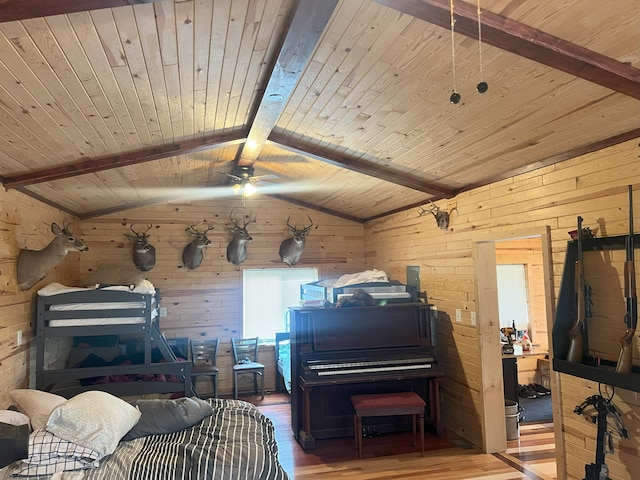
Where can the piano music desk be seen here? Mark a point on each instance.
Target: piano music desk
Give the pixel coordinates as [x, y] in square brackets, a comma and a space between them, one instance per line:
[386, 404]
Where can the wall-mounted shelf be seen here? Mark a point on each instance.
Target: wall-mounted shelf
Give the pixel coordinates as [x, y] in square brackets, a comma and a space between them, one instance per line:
[565, 316]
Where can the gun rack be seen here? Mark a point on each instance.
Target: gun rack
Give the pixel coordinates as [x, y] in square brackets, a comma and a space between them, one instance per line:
[565, 315]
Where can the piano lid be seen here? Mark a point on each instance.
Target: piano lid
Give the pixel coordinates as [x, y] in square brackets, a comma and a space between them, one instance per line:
[366, 327]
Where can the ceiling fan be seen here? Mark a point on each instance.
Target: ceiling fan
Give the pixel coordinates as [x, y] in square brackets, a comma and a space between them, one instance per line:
[243, 180]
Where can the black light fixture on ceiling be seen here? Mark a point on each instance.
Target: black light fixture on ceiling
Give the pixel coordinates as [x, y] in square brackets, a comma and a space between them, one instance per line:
[242, 183]
[455, 96]
[482, 86]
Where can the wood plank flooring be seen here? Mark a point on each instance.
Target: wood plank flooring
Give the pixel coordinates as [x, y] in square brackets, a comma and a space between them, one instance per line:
[532, 456]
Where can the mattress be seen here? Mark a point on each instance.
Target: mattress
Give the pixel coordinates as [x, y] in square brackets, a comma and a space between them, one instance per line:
[144, 287]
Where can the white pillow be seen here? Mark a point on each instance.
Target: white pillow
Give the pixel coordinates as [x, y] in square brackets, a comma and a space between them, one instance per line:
[13, 418]
[93, 419]
[35, 404]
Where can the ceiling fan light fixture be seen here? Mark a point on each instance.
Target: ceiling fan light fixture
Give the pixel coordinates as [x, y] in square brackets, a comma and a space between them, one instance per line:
[248, 189]
[236, 188]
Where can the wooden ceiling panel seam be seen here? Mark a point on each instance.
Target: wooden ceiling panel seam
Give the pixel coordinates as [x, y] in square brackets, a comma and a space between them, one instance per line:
[345, 61]
[24, 64]
[106, 72]
[144, 88]
[69, 52]
[185, 34]
[219, 25]
[242, 87]
[15, 98]
[156, 24]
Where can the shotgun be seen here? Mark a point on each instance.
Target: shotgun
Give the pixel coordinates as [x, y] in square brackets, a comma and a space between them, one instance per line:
[575, 332]
[631, 317]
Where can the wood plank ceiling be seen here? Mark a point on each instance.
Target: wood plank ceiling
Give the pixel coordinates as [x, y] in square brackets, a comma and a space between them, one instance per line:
[110, 104]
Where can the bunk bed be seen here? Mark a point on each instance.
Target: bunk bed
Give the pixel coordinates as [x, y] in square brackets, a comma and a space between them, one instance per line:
[283, 362]
[122, 318]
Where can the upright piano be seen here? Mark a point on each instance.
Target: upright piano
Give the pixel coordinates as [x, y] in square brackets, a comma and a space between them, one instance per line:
[339, 352]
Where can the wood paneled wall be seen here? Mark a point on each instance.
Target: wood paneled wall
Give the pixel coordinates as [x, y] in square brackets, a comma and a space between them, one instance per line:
[593, 186]
[207, 301]
[24, 223]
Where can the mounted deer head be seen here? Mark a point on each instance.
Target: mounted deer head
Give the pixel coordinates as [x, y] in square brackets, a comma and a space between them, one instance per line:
[237, 248]
[441, 216]
[194, 252]
[291, 249]
[144, 254]
[34, 265]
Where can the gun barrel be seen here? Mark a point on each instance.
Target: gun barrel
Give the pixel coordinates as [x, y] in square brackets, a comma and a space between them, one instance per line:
[625, 360]
[575, 351]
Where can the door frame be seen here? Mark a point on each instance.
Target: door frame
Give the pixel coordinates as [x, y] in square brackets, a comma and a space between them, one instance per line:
[488, 323]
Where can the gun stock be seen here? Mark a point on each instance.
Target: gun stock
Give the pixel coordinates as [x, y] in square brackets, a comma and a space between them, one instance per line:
[625, 360]
[574, 353]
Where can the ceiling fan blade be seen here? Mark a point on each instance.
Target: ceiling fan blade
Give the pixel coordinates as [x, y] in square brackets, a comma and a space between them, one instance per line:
[235, 177]
[261, 178]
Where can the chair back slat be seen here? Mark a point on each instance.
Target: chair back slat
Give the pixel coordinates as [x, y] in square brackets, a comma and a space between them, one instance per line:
[204, 351]
[245, 348]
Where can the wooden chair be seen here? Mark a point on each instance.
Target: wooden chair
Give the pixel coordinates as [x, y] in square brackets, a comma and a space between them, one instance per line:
[204, 354]
[245, 360]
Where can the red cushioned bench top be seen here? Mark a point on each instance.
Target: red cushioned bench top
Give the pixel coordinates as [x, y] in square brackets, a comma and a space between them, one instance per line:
[379, 404]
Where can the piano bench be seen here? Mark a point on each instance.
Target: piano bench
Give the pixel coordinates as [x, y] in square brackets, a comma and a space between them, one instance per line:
[387, 404]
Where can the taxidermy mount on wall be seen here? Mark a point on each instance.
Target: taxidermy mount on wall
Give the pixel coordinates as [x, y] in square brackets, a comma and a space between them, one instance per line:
[34, 265]
[291, 249]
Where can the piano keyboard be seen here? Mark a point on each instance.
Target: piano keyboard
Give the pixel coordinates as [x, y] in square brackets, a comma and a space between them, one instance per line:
[326, 368]
[386, 368]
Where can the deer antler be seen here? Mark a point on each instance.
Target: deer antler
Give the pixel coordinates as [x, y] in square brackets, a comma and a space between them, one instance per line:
[250, 220]
[306, 229]
[141, 234]
[194, 230]
[310, 225]
[433, 210]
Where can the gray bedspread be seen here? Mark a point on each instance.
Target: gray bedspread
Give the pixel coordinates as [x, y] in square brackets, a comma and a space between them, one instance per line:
[236, 442]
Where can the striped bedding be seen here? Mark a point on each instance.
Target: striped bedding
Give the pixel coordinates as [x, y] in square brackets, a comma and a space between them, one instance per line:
[236, 442]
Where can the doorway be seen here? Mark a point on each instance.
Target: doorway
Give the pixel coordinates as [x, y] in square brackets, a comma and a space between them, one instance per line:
[487, 255]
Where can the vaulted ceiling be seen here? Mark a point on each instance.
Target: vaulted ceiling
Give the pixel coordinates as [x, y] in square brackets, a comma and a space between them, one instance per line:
[107, 105]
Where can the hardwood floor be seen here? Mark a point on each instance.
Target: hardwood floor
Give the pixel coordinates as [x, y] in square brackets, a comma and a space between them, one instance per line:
[532, 456]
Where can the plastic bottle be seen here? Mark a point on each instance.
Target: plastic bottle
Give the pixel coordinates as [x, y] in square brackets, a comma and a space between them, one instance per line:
[526, 341]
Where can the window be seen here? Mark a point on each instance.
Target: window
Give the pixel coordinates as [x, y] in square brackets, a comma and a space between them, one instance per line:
[512, 296]
[267, 293]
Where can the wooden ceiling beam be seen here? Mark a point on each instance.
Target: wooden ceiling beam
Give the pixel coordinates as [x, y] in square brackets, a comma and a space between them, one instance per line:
[93, 165]
[11, 10]
[359, 166]
[308, 23]
[317, 208]
[526, 41]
